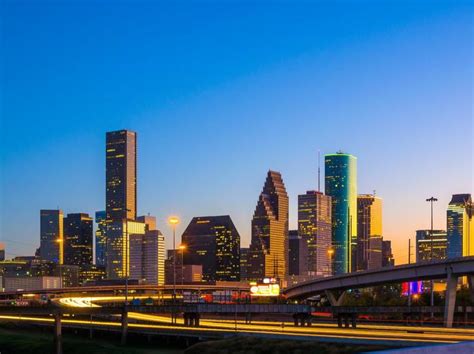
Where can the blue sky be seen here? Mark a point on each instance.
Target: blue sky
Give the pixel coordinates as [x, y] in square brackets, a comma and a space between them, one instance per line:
[220, 92]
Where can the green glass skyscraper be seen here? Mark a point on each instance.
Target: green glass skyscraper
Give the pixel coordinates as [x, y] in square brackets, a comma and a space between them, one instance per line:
[341, 185]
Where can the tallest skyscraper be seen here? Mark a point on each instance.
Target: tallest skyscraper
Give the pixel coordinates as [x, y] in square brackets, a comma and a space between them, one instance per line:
[341, 185]
[121, 175]
[120, 200]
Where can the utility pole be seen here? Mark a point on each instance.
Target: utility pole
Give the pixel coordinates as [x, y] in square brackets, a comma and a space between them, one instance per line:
[432, 200]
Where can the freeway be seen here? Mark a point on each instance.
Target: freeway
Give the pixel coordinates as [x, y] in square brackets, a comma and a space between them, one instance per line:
[161, 324]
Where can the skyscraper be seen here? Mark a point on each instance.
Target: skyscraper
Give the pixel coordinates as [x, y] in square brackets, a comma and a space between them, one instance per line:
[460, 230]
[314, 226]
[428, 247]
[78, 239]
[269, 244]
[121, 175]
[120, 200]
[297, 254]
[214, 243]
[387, 255]
[369, 232]
[100, 238]
[341, 185]
[51, 236]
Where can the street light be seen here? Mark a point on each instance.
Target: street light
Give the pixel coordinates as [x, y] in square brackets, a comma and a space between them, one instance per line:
[182, 247]
[432, 200]
[173, 221]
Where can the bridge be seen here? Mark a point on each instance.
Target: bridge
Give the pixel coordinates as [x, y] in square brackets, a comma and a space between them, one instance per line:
[450, 270]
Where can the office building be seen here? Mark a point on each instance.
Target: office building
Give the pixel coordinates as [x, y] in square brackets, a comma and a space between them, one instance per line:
[387, 255]
[29, 283]
[314, 226]
[100, 239]
[341, 186]
[214, 243]
[298, 250]
[121, 175]
[2, 251]
[51, 235]
[269, 243]
[78, 239]
[244, 254]
[90, 274]
[460, 229]
[369, 232]
[431, 245]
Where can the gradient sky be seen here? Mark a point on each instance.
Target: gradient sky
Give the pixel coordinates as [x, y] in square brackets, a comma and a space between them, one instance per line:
[220, 92]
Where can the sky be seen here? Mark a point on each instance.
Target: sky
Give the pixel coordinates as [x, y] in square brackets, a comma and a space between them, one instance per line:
[219, 92]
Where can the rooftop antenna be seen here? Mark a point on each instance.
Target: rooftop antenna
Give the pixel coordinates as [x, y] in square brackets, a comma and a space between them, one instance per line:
[319, 171]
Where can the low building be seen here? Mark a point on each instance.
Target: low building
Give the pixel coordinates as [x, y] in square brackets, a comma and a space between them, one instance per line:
[31, 283]
[187, 274]
[91, 273]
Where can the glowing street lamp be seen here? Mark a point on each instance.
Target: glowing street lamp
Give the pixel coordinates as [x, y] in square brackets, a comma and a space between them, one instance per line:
[330, 254]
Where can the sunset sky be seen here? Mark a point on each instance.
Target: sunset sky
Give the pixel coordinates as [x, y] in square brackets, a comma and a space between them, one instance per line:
[220, 92]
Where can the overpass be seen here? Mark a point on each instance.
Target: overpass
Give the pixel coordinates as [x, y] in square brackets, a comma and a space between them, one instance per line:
[450, 270]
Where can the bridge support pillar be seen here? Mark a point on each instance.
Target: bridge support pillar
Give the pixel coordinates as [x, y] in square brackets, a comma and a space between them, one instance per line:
[58, 340]
[123, 339]
[450, 299]
[335, 300]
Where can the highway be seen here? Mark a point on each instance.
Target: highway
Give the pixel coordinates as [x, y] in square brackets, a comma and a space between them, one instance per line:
[161, 324]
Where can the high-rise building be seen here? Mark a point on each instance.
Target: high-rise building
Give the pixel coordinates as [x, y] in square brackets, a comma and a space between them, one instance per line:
[244, 254]
[51, 234]
[297, 254]
[341, 185]
[269, 243]
[100, 238]
[118, 246]
[121, 175]
[369, 232]
[314, 226]
[78, 239]
[431, 246]
[214, 243]
[387, 255]
[2, 251]
[460, 226]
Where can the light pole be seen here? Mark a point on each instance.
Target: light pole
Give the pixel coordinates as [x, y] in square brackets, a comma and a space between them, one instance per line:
[173, 221]
[431, 200]
[182, 247]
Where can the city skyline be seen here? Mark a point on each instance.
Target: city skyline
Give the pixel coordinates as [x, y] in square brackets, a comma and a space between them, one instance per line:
[181, 126]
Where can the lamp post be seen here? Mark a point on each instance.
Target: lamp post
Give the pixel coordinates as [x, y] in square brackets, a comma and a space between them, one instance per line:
[431, 200]
[173, 221]
[182, 247]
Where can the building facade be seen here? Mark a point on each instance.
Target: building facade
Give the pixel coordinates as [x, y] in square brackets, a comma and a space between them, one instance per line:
[100, 238]
[214, 243]
[297, 254]
[315, 227]
[387, 254]
[269, 244]
[51, 235]
[78, 239]
[460, 230]
[431, 245]
[341, 186]
[369, 232]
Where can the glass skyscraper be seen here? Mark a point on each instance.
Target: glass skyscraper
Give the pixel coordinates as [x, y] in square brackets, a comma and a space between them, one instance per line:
[78, 239]
[369, 232]
[100, 239]
[460, 228]
[341, 186]
[51, 236]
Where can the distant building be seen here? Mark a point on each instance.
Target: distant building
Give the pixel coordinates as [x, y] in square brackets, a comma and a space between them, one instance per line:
[387, 255]
[51, 235]
[121, 175]
[181, 274]
[431, 247]
[460, 229]
[269, 243]
[78, 239]
[214, 243]
[244, 253]
[2, 251]
[118, 247]
[341, 185]
[369, 232]
[314, 226]
[147, 257]
[31, 283]
[100, 238]
[297, 254]
[90, 274]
